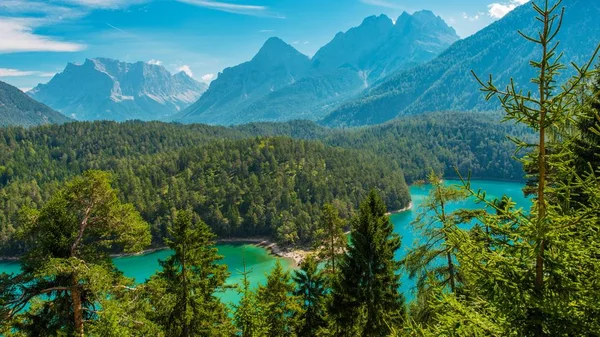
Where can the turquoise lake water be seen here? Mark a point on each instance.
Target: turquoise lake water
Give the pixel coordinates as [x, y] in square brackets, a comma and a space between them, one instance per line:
[260, 262]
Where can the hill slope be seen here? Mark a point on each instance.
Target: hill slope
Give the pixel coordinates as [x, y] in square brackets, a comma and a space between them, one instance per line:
[445, 83]
[16, 108]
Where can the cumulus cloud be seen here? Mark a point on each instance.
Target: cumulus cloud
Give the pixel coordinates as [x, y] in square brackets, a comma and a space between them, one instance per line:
[498, 10]
[8, 72]
[208, 77]
[186, 69]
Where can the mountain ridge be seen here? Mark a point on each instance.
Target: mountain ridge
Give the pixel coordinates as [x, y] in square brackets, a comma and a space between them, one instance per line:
[445, 83]
[344, 67]
[104, 88]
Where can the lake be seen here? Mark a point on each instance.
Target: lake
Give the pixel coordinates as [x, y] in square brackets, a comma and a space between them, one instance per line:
[260, 262]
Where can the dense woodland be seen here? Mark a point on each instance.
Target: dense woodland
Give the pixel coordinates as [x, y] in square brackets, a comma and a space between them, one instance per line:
[242, 188]
[495, 271]
[243, 185]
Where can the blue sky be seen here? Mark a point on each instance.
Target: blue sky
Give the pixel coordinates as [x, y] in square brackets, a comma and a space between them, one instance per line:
[39, 37]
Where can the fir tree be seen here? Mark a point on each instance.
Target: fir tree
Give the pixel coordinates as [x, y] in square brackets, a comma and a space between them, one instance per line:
[433, 260]
[540, 281]
[247, 316]
[183, 293]
[366, 297]
[311, 291]
[330, 238]
[277, 303]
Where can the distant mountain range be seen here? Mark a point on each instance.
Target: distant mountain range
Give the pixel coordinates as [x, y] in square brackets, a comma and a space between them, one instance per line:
[367, 75]
[280, 83]
[16, 108]
[445, 83]
[103, 88]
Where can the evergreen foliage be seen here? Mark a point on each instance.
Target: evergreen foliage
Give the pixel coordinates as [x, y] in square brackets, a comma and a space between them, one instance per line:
[183, 294]
[331, 240]
[278, 304]
[67, 271]
[254, 187]
[366, 297]
[311, 290]
[533, 273]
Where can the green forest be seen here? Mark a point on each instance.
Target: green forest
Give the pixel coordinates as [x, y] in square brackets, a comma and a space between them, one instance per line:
[265, 179]
[73, 194]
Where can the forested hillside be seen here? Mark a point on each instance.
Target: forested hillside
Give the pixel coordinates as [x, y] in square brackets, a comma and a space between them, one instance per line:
[257, 186]
[225, 173]
[474, 143]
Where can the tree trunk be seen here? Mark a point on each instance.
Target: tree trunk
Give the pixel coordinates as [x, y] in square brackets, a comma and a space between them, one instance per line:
[186, 327]
[539, 261]
[77, 308]
[451, 272]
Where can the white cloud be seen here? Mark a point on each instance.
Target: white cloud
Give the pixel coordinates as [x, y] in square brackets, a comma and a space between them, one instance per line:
[384, 3]
[25, 89]
[498, 10]
[252, 10]
[105, 4]
[18, 36]
[186, 69]
[20, 19]
[155, 62]
[471, 18]
[208, 77]
[8, 72]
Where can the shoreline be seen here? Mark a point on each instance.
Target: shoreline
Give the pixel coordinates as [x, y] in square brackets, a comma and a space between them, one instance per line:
[407, 208]
[294, 255]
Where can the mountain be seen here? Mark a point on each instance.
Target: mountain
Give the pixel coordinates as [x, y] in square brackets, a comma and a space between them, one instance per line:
[445, 83]
[342, 69]
[378, 47]
[108, 89]
[276, 65]
[16, 108]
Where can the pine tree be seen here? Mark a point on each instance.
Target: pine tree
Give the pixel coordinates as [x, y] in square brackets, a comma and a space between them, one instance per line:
[330, 239]
[67, 271]
[277, 303]
[311, 291]
[366, 297]
[247, 316]
[433, 260]
[586, 147]
[540, 281]
[183, 292]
